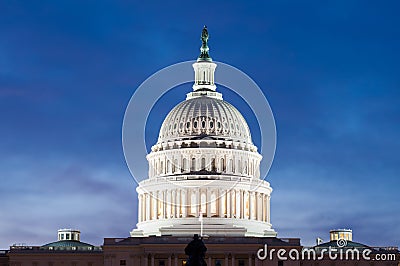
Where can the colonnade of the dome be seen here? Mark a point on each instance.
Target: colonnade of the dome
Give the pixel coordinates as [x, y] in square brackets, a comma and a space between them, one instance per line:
[206, 160]
[188, 202]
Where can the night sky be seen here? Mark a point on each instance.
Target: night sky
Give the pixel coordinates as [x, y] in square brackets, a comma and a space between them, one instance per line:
[329, 69]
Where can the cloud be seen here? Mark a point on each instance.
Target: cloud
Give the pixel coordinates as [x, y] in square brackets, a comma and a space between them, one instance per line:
[50, 194]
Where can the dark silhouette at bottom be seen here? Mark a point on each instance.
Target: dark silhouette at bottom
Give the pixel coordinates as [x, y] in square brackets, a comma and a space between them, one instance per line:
[196, 250]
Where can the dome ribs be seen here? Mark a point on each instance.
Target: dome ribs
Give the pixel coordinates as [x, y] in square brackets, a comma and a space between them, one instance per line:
[205, 116]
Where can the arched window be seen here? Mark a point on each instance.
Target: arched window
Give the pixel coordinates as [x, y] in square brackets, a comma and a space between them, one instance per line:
[168, 166]
[174, 166]
[213, 168]
[184, 165]
[193, 168]
[203, 164]
[222, 165]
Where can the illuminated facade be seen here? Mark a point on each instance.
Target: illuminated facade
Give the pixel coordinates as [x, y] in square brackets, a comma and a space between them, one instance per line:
[204, 162]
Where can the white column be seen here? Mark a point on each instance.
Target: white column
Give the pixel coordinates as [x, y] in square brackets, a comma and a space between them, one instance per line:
[164, 203]
[140, 208]
[154, 205]
[253, 207]
[202, 202]
[168, 199]
[238, 203]
[222, 204]
[198, 201]
[246, 205]
[159, 205]
[147, 207]
[268, 209]
[208, 202]
[243, 194]
[259, 206]
[184, 203]
[172, 204]
[233, 203]
[177, 203]
[228, 204]
[264, 208]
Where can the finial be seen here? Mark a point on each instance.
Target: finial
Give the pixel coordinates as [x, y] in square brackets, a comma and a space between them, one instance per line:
[204, 56]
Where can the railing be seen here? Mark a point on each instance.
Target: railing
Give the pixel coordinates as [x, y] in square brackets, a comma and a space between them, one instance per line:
[389, 248]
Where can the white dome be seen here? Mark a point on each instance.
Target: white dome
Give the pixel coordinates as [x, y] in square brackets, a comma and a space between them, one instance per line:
[204, 117]
[204, 163]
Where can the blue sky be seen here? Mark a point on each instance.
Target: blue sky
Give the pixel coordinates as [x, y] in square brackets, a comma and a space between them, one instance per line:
[329, 71]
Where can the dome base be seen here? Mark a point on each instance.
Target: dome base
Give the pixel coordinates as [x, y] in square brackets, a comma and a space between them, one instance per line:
[211, 227]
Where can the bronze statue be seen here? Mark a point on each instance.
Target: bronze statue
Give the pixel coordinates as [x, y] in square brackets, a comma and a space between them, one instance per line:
[204, 36]
[204, 56]
[196, 250]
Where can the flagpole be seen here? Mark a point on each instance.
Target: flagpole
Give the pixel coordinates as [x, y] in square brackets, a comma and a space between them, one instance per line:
[201, 223]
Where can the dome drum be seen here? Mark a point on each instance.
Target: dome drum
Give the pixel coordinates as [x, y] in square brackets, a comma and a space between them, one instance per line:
[204, 142]
[204, 161]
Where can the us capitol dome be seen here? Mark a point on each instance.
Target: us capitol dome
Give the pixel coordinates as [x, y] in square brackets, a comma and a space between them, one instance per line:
[204, 166]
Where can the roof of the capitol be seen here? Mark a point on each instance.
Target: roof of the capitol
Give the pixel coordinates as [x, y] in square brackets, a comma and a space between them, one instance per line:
[271, 241]
[67, 243]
